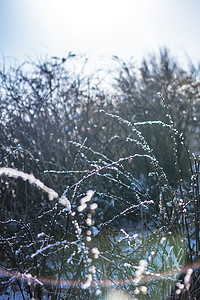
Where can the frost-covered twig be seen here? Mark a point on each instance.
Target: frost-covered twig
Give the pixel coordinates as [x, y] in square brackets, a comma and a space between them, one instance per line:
[32, 180]
[41, 250]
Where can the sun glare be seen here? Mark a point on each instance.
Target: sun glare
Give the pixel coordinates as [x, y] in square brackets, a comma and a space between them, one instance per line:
[87, 25]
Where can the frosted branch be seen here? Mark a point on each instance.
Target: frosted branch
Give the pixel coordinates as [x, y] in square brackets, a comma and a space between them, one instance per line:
[32, 180]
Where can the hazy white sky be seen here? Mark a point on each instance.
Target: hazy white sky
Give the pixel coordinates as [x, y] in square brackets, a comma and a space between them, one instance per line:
[107, 27]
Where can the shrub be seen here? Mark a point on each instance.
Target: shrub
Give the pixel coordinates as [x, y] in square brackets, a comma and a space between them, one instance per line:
[109, 162]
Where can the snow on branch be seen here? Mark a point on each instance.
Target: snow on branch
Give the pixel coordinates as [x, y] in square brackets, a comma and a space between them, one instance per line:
[32, 180]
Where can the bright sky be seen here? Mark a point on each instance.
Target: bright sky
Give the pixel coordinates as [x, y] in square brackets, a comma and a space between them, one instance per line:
[107, 27]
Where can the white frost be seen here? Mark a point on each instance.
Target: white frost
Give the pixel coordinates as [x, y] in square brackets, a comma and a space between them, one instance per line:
[32, 180]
